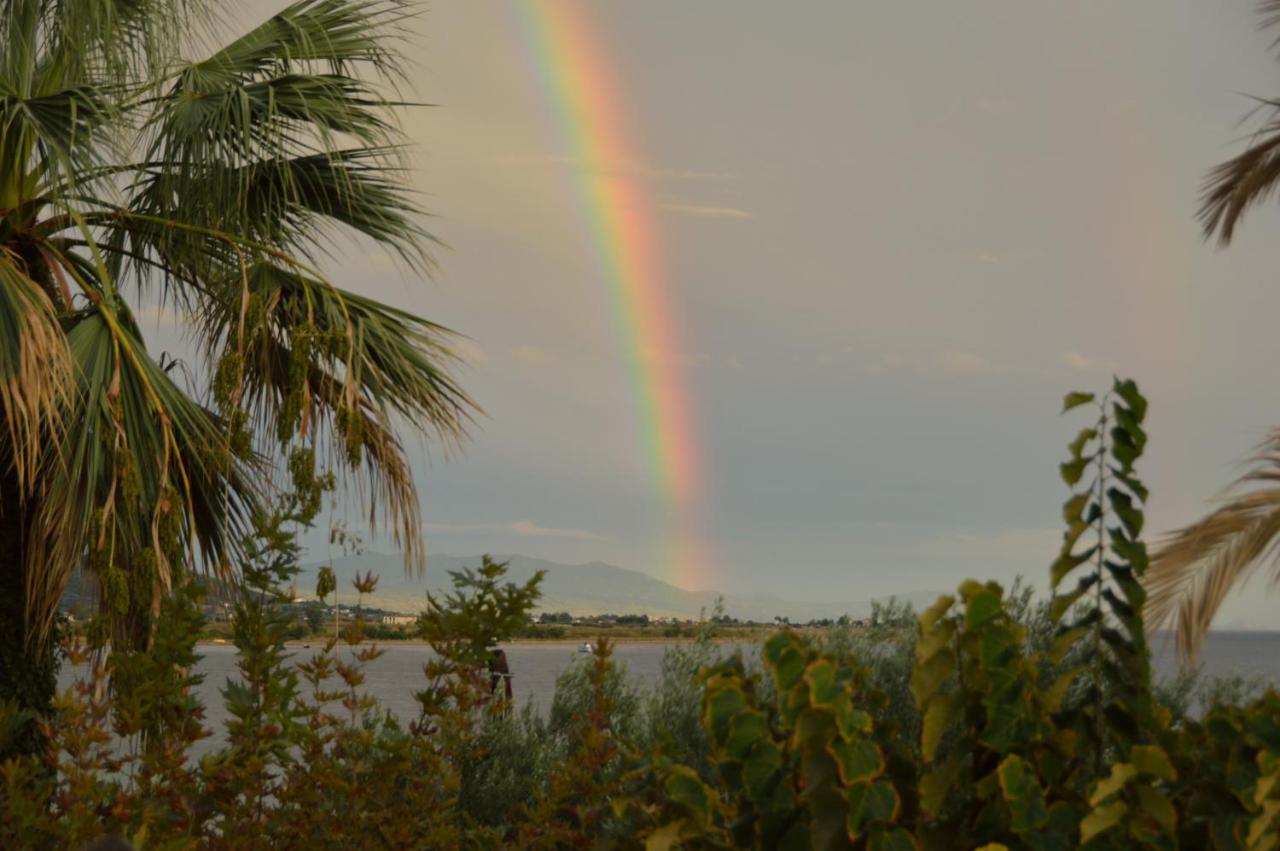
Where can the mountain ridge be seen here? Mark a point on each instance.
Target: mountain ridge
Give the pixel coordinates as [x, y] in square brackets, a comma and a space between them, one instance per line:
[593, 587]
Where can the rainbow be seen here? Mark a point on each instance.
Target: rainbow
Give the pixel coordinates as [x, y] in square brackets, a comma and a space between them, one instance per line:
[586, 104]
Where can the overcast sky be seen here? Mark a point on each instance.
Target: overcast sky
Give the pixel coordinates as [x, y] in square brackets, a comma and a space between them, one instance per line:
[895, 235]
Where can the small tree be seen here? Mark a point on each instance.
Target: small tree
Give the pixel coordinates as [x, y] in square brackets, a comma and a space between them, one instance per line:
[462, 625]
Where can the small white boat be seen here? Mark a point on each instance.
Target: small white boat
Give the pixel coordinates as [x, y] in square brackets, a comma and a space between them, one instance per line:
[586, 648]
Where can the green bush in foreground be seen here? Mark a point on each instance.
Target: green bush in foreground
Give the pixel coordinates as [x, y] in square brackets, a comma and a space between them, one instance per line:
[989, 722]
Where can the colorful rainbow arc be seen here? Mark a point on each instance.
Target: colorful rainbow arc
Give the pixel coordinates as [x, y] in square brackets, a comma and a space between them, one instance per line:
[577, 84]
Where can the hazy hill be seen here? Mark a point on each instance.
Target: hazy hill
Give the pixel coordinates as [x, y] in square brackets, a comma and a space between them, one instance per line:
[591, 588]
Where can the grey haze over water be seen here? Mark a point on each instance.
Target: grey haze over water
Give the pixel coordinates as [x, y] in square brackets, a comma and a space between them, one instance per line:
[395, 676]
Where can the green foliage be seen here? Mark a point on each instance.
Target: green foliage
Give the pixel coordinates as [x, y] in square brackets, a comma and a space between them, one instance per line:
[477, 614]
[1036, 728]
[584, 802]
[1103, 552]
[145, 165]
[990, 721]
[797, 765]
[326, 582]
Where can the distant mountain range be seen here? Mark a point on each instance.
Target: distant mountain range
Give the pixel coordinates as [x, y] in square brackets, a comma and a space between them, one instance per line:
[581, 589]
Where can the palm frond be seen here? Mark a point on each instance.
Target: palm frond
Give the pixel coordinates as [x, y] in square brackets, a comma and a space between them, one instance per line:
[222, 182]
[337, 33]
[35, 368]
[48, 137]
[144, 475]
[291, 204]
[316, 357]
[388, 487]
[1251, 177]
[256, 143]
[125, 42]
[1195, 568]
[1243, 181]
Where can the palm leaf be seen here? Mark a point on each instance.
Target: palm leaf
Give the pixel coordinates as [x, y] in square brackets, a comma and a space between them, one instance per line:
[218, 185]
[319, 358]
[138, 456]
[35, 369]
[1195, 568]
[1251, 177]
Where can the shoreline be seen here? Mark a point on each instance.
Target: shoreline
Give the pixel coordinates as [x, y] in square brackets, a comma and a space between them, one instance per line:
[522, 642]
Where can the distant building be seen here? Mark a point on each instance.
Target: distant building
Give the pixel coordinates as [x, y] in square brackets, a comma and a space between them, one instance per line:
[399, 620]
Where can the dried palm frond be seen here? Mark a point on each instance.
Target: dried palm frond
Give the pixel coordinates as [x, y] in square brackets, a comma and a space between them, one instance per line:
[1195, 568]
[144, 161]
[1252, 176]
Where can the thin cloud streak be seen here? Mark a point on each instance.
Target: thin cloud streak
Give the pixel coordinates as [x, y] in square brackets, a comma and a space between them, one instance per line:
[522, 528]
[625, 169]
[958, 362]
[1076, 360]
[701, 212]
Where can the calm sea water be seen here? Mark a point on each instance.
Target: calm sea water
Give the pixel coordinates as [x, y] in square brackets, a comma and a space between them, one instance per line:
[395, 676]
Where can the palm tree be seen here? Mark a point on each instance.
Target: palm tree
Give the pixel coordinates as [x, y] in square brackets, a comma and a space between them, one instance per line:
[1194, 568]
[133, 178]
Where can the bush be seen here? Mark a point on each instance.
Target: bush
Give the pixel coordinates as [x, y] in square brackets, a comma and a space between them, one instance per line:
[991, 720]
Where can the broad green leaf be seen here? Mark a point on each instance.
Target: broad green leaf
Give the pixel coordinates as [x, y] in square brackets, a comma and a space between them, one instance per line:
[934, 639]
[1022, 793]
[1075, 400]
[893, 840]
[928, 676]
[1128, 391]
[857, 760]
[851, 721]
[665, 837]
[936, 783]
[938, 718]
[1120, 607]
[722, 704]
[1121, 774]
[936, 612]
[824, 689]
[1068, 562]
[1072, 471]
[1063, 602]
[1131, 551]
[1158, 807]
[796, 838]
[1073, 534]
[760, 768]
[870, 802]
[982, 607]
[1126, 421]
[828, 815]
[745, 730]
[1152, 761]
[1123, 448]
[684, 787]
[1263, 828]
[1057, 692]
[782, 651]
[1076, 447]
[794, 702]
[1101, 819]
[1124, 508]
[1073, 509]
[1131, 482]
[811, 724]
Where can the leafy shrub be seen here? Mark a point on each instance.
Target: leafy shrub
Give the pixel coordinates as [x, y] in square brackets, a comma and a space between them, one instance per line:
[991, 720]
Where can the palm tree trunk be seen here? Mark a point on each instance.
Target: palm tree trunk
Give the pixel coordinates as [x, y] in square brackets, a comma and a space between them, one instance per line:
[28, 672]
